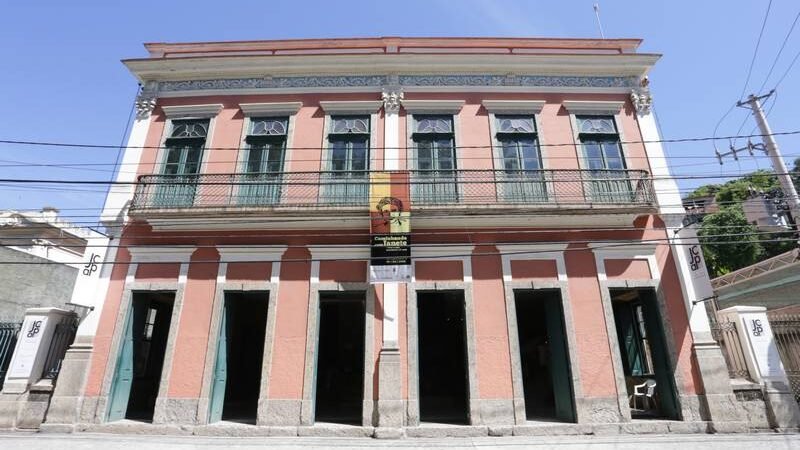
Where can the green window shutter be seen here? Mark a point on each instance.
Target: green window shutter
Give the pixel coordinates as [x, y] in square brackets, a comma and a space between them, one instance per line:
[559, 361]
[220, 371]
[123, 376]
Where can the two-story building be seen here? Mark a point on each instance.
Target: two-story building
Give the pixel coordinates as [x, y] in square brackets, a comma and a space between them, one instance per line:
[545, 286]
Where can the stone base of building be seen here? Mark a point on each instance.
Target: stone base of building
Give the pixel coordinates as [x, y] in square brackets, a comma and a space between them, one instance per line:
[423, 431]
[25, 411]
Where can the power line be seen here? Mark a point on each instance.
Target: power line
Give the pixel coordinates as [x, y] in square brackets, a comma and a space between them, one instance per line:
[755, 52]
[778, 56]
[413, 258]
[421, 244]
[355, 182]
[788, 69]
[545, 144]
[249, 234]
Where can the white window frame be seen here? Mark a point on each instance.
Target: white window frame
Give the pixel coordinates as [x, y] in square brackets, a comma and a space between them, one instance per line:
[187, 112]
[531, 108]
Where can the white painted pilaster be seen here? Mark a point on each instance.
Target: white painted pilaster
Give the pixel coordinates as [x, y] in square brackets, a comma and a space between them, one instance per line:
[391, 297]
[695, 284]
[391, 161]
[120, 194]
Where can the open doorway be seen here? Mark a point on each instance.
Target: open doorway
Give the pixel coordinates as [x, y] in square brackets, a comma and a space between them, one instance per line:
[443, 372]
[240, 352]
[141, 358]
[339, 388]
[544, 357]
[645, 360]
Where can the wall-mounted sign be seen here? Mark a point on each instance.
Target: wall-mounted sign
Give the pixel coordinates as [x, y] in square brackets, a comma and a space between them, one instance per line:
[390, 224]
[25, 354]
[693, 253]
[390, 258]
[91, 266]
[390, 250]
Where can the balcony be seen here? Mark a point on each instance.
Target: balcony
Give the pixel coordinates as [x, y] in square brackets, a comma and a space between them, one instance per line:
[471, 192]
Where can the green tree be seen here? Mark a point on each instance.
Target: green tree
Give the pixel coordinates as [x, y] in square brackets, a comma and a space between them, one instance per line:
[736, 191]
[729, 241]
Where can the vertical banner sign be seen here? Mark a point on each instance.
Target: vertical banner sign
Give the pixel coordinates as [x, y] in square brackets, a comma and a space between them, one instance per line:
[697, 264]
[390, 228]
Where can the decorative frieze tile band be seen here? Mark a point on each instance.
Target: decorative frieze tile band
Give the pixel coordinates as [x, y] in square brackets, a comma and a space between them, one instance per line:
[378, 81]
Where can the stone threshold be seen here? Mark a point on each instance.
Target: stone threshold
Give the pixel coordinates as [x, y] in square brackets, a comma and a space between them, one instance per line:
[425, 430]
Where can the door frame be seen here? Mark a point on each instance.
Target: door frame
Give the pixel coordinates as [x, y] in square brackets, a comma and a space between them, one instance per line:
[309, 376]
[125, 308]
[678, 383]
[412, 333]
[204, 404]
[510, 287]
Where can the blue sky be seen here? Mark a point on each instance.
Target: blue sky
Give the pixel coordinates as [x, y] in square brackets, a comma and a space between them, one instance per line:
[61, 79]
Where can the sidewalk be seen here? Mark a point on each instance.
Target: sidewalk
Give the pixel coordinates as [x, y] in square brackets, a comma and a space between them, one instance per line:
[85, 441]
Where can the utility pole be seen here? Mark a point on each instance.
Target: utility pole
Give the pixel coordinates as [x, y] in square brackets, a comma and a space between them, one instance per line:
[771, 147]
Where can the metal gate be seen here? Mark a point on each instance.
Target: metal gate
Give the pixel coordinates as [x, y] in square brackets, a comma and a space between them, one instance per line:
[786, 330]
[8, 340]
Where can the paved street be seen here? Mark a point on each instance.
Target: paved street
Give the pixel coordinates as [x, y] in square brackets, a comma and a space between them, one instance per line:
[32, 441]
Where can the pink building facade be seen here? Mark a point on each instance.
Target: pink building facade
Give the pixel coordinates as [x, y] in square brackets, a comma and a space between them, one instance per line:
[546, 282]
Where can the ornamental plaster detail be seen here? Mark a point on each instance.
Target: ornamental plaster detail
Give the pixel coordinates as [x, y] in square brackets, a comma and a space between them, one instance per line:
[380, 81]
[641, 97]
[146, 100]
[392, 98]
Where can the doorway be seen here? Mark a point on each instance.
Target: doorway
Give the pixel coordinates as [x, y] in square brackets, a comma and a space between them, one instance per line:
[645, 360]
[240, 353]
[141, 358]
[544, 355]
[443, 369]
[339, 386]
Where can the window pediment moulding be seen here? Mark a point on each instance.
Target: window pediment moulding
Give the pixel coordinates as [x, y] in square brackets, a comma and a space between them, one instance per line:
[351, 107]
[339, 252]
[433, 106]
[593, 107]
[513, 106]
[260, 253]
[194, 111]
[270, 109]
[160, 254]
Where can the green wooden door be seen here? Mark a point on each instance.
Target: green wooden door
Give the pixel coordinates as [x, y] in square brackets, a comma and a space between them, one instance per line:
[559, 361]
[630, 339]
[220, 380]
[668, 402]
[123, 376]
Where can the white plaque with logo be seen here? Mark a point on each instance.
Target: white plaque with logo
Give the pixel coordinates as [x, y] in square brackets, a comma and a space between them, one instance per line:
[25, 354]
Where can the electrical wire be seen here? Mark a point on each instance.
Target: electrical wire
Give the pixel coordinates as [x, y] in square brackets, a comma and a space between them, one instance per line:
[778, 56]
[755, 52]
[666, 241]
[541, 144]
[419, 245]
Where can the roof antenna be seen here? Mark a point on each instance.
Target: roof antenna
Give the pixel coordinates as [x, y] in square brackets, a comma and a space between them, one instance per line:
[599, 24]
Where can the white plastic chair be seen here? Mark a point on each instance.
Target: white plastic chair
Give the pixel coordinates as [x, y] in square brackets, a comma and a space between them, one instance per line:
[645, 391]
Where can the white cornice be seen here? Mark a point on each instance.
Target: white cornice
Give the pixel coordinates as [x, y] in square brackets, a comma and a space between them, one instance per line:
[433, 106]
[282, 108]
[158, 69]
[160, 254]
[352, 107]
[251, 253]
[593, 107]
[338, 252]
[513, 106]
[175, 112]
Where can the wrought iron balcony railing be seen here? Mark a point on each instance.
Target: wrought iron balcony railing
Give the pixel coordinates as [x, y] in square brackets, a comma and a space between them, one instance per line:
[477, 188]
